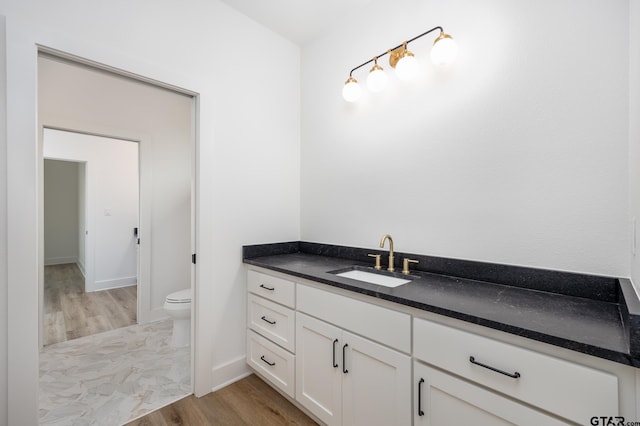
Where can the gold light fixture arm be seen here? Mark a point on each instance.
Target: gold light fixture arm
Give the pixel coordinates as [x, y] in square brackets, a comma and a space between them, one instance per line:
[375, 64]
[399, 49]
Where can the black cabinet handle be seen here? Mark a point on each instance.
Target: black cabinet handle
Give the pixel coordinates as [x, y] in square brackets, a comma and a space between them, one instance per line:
[266, 320]
[420, 382]
[335, 364]
[267, 362]
[344, 359]
[267, 288]
[515, 375]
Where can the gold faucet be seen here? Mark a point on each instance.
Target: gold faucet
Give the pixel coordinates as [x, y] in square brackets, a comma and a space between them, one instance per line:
[384, 238]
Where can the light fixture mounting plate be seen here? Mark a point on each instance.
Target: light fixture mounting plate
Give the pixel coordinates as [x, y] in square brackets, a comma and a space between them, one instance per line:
[395, 55]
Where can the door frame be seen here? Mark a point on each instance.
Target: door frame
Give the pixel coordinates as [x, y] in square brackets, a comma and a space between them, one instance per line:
[143, 291]
[87, 268]
[145, 175]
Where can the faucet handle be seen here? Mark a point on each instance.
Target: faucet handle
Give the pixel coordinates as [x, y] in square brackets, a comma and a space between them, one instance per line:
[405, 265]
[377, 257]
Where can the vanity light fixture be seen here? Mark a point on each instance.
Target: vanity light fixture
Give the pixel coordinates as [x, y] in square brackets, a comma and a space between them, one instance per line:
[444, 52]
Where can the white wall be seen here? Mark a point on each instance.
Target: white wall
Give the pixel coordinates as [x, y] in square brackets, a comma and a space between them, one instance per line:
[634, 132]
[517, 154]
[60, 212]
[3, 227]
[112, 204]
[82, 215]
[247, 79]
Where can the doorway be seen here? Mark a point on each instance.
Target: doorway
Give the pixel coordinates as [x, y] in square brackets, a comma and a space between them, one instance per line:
[90, 234]
[85, 99]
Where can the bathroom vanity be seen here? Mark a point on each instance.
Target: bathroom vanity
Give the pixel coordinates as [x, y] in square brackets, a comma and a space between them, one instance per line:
[444, 348]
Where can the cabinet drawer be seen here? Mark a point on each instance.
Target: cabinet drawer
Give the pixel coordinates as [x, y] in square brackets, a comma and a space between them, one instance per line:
[272, 288]
[383, 325]
[569, 390]
[273, 321]
[274, 363]
[442, 399]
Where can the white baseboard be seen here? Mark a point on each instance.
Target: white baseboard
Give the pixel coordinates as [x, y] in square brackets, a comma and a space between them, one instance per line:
[114, 283]
[153, 315]
[230, 372]
[60, 260]
[81, 267]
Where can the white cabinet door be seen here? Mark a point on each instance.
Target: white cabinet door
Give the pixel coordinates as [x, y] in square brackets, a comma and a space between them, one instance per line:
[318, 368]
[441, 399]
[375, 384]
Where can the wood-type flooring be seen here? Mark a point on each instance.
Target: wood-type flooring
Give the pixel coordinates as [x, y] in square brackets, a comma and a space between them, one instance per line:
[70, 313]
[249, 401]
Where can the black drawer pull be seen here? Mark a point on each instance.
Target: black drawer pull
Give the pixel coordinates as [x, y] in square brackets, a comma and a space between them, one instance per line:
[344, 359]
[264, 318]
[420, 382]
[335, 364]
[515, 375]
[267, 288]
[267, 362]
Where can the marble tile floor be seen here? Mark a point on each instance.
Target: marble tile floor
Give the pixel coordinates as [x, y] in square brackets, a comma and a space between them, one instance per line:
[112, 377]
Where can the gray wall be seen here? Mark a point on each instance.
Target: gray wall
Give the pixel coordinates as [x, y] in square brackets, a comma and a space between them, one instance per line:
[60, 212]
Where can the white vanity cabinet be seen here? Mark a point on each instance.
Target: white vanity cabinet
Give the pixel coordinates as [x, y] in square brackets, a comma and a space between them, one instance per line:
[567, 390]
[271, 329]
[354, 360]
[349, 379]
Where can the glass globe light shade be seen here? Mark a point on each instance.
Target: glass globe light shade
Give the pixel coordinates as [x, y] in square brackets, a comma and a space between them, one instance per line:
[444, 50]
[351, 91]
[407, 66]
[377, 79]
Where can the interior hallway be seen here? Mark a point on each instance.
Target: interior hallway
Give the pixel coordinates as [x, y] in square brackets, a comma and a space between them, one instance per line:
[70, 313]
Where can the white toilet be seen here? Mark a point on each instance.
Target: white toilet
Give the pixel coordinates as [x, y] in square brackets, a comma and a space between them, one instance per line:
[178, 306]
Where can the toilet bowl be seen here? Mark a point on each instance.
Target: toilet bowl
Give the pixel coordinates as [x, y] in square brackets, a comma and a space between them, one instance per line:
[178, 306]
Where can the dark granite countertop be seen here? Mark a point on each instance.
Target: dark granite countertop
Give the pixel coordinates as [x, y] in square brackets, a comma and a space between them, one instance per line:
[603, 324]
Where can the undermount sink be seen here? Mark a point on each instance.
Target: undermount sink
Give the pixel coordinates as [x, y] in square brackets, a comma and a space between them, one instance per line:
[372, 277]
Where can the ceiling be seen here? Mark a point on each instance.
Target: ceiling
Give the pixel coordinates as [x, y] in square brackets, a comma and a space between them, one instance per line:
[297, 20]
